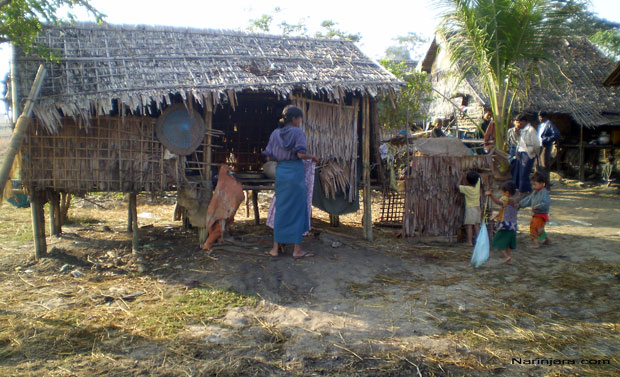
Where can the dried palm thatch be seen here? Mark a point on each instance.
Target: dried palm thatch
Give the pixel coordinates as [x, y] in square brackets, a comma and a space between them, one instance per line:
[433, 204]
[99, 67]
[331, 131]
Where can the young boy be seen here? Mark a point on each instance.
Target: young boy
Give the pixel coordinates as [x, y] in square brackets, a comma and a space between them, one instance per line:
[471, 190]
[505, 239]
[540, 201]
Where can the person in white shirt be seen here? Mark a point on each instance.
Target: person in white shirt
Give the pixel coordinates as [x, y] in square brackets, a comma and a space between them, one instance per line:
[528, 147]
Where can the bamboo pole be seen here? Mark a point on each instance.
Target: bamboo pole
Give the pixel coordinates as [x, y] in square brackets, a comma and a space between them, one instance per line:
[366, 165]
[582, 168]
[133, 208]
[38, 224]
[129, 216]
[21, 127]
[377, 143]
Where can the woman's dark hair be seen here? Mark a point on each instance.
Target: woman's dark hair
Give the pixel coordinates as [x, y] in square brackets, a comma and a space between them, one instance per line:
[509, 187]
[472, 178]
[540, 178]
[522, 117]
[289, 113]
[543, 114]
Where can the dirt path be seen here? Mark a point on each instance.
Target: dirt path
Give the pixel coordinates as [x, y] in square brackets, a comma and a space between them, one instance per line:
[393, 307]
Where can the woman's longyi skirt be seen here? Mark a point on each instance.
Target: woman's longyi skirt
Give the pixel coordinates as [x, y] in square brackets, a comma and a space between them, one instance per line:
[291, 220]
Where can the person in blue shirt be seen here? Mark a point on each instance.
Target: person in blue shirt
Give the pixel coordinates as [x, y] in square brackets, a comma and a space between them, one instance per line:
[547, 134]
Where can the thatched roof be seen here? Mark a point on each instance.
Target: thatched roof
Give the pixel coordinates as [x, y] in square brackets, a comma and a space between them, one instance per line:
[580, 94]
[145, 65]
[614, 78]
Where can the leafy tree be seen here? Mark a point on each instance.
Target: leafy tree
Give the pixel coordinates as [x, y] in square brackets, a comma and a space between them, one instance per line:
[20, 20]
[406, 46]
[608, 41]
[505, 43]
[603, 33]
[331, 32]
[262, 24]
[409, 102]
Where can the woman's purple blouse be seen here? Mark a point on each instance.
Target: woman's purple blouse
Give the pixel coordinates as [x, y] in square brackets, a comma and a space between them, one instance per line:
[285, 143]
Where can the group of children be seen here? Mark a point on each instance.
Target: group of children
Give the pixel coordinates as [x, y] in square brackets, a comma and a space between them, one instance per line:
[505, 239]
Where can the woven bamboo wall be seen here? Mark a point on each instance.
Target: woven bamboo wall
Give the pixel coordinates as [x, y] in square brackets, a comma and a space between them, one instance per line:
[114, 154]
[433, 204]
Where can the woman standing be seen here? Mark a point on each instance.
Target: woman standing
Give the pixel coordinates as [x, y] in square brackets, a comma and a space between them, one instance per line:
[287, 146]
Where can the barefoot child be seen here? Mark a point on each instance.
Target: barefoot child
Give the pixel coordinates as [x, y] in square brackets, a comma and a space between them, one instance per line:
[539, 200]
[471, 190]
[505, 239]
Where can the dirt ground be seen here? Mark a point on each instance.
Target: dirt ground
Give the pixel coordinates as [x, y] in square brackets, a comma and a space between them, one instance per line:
[389, 308]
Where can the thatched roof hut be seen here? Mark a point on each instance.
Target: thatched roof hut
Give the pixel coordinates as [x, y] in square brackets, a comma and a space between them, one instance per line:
[99, 67]
[96, 117]
[581, 103]
[582, 96]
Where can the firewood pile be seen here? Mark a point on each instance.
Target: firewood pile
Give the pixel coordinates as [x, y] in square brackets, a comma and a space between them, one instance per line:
[433, 204]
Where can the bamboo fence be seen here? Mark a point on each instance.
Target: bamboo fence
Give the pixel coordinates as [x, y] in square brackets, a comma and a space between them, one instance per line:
[433, 205]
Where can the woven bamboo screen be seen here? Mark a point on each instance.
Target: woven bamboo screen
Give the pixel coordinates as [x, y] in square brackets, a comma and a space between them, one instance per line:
[113, 154]
[433, 204]
[331, 131]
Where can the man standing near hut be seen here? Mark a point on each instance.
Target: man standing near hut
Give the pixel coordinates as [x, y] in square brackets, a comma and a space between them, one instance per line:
[547, 134]
[528, 146]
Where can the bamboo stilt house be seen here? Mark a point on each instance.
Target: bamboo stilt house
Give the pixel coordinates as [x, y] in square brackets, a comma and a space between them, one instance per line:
[94, 126]
[581, 100]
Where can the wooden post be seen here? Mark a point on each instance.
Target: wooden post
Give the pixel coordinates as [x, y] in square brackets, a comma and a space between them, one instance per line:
[65, 204]
[129, 216]
[133, 209]
[366, 173]
[334, 220]
[376, 132]
[55, 220]
[255, 205]
[582, 168]
[37, 202]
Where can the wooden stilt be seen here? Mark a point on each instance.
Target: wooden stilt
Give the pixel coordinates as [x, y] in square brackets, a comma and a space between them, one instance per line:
[38, 224]
[65, 204]
[133, 209]
[376, 135]
[129, 216]
[334, 220]
[367, 220]
[582, 168]
[55, 220]
[255, 204]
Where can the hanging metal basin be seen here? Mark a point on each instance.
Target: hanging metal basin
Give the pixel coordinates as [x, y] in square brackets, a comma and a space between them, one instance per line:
[179, 130]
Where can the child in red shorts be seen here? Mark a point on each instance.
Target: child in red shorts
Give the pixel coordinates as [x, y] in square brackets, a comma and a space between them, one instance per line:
[540, 201]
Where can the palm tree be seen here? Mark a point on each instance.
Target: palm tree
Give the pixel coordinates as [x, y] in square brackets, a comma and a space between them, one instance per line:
[506, 44]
